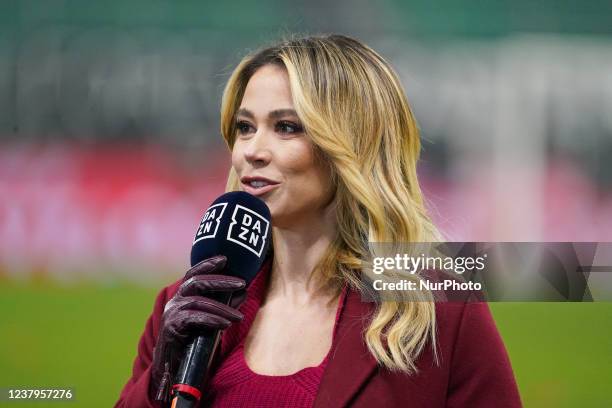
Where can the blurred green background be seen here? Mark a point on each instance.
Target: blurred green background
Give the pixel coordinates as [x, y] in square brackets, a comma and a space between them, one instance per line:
[85, 337]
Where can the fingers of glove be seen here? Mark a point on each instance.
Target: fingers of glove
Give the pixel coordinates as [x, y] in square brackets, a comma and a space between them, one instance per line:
[208, 266]
[203, 304]
[203, 284]
[187, 323]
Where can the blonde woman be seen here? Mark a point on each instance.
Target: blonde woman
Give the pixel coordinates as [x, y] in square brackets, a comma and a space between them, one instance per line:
[321, 130]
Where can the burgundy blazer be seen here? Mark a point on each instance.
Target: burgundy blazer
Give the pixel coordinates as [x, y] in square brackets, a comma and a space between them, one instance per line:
[474, 369]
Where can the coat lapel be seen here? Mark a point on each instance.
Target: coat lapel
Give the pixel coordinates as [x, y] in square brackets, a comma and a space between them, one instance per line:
[350, 364]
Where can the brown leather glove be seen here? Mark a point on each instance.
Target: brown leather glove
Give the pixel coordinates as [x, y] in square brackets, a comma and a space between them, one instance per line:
[189, 313]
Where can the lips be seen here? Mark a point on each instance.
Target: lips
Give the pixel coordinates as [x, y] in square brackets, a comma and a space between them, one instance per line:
[257, 185]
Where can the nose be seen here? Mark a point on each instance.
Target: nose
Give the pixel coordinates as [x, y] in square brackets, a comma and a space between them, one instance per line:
[257, 151]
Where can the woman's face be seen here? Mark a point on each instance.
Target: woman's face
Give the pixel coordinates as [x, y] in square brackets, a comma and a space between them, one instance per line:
[273, 157]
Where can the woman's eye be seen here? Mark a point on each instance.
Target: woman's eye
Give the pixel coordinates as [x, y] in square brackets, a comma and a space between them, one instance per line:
[243, 127]
[288, 127]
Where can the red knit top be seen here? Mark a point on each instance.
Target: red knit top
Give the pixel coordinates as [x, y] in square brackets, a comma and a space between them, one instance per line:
[235, 384]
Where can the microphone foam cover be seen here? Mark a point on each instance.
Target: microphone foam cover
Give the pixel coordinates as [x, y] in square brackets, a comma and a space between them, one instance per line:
[237, 225]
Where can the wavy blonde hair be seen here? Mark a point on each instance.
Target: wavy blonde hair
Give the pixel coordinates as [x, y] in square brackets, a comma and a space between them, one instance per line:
[355, 111]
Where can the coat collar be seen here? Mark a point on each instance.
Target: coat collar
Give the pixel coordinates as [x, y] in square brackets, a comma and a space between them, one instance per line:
[351, 364]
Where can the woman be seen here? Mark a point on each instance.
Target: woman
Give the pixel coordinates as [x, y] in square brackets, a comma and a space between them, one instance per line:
[320, 129]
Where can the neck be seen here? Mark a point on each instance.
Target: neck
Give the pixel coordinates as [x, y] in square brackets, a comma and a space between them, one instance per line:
[297, 250]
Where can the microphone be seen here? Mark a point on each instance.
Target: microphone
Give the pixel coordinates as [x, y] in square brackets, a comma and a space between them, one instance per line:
[236, 225]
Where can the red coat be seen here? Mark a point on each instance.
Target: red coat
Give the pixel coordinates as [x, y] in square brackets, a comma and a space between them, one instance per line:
[474, 371]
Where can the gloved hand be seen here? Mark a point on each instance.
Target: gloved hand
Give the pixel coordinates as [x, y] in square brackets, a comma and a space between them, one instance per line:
[189, 313]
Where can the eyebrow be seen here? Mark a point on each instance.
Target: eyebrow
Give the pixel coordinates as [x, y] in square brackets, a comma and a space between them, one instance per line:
[275, 114]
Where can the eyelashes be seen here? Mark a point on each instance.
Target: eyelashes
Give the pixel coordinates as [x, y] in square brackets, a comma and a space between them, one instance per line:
[282, 126]
[243, 127]
[289, 127]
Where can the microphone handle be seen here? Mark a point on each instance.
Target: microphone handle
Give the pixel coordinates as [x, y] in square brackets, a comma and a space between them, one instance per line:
[193, 369]
[196, 363]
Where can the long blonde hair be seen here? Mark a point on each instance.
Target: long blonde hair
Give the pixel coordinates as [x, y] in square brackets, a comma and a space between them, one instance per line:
[356, 113]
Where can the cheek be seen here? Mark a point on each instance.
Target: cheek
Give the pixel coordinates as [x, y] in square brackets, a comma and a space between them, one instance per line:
[297, 163]
[298, 156]
[236, 155]
[322, 184]
[299, 168]
[311, 177]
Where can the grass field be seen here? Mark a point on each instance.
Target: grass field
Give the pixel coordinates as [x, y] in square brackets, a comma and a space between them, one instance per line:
[85, 337]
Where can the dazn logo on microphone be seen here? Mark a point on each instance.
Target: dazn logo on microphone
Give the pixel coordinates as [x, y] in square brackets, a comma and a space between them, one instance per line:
[209, 225]
[248, 229]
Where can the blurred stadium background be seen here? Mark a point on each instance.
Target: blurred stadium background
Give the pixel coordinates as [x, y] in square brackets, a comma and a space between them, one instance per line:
[110, 151]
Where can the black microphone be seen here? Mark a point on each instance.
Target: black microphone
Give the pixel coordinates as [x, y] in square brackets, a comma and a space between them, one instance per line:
[236, 225]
